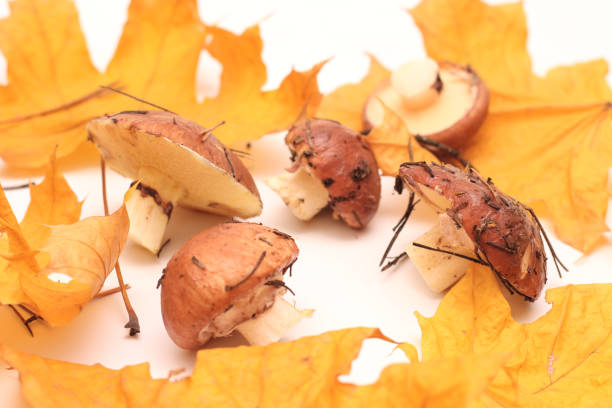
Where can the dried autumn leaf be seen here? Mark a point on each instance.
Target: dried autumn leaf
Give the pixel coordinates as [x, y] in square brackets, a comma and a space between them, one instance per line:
[561, 359]
[52, 202]
[547, 141]
[53, 87]
[489, 38]
[391, 143]
[301, 373]
[345, 104]
[84, 252]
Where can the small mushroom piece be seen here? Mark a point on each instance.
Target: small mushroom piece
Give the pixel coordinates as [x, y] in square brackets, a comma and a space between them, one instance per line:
[333, 165]
[176, 161]
[447, 103]
[477, 222]
[229, 277]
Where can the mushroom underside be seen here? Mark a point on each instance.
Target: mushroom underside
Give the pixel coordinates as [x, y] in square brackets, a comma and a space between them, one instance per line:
[449, 107]
[170, 174]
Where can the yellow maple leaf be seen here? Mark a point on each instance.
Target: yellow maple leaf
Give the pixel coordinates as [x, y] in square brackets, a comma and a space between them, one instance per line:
[39, 250]
[53, 87]
[301, 373]
[561, 359]
[489, 38]
[547, 141]
[52, 202]
[391, 143]
[345, 104]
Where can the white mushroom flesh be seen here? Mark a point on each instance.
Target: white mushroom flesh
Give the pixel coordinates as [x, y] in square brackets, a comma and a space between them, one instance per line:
[303, 193]
[147, 221]
[441, 270]
[454, 101]
[417, 83]
[149, 210]
[272, 324]
[244, 308]
[262, 316]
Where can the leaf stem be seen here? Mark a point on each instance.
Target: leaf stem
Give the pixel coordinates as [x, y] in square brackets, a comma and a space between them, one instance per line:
[110, 292]
[65, 106]
[18, 187]
[25, 322]
[132, 323]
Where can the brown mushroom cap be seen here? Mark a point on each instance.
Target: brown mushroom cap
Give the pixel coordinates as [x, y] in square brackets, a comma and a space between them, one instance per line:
[343, 161]
[503, 231]
[456, 134]
[217, 268]
[155, 133]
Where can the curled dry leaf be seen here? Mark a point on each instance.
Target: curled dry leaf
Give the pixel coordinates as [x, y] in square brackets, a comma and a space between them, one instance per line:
[301, 373]
[561, 359]
[53, 86]
[37, 259]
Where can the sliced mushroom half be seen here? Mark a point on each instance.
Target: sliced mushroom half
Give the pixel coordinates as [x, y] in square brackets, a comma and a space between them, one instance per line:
[446, 102]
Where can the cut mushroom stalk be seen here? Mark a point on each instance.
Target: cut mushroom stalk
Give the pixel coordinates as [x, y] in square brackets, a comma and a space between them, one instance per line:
[304, 194]
[441, 270]
[418, 83]
[148, 218]
[272, 324]
[149, 209]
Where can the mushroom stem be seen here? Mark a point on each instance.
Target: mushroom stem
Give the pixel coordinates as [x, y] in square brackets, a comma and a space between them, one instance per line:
[272, 324]
[150, 207]
[418, 83]
[441, 270]
[304, 194]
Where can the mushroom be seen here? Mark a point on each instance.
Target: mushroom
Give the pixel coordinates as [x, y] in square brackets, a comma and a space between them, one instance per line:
[333, 165]
[476, 223]
[176, 161]
[229, 277]
[446, 103]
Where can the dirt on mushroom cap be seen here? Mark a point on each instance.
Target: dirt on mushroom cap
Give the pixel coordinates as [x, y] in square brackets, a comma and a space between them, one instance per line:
[506, 236]
[343, 161]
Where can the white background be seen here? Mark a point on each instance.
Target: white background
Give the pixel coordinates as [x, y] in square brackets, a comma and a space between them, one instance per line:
[337, 271]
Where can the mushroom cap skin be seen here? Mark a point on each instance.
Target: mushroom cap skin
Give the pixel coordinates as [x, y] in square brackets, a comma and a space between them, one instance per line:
[131, 139]
[458, 133]
[504, 233]
[343, 161]
[221, 266]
